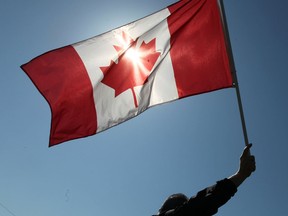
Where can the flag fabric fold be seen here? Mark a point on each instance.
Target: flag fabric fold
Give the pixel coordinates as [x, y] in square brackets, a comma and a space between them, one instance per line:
[98, 83]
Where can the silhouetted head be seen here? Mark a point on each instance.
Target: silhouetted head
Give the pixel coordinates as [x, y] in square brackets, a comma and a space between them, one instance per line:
[173, 202]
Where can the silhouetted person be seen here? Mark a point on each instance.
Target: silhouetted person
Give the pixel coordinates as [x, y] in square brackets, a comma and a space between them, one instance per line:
[207, 201]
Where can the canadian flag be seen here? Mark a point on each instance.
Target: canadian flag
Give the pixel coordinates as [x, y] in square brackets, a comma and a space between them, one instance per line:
[100, 82]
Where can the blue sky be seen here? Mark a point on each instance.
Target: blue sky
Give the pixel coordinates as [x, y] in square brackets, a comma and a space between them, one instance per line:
[182, 146]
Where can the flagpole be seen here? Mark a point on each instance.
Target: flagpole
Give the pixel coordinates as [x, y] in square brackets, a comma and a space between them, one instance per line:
[232, 65]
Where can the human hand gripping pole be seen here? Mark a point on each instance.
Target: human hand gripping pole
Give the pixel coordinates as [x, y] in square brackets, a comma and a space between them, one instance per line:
[246, 167]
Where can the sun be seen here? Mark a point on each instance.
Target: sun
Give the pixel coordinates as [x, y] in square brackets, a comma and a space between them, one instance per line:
[133, 54]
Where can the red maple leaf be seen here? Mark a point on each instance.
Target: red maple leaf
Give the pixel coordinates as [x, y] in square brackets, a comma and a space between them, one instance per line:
[133, 68]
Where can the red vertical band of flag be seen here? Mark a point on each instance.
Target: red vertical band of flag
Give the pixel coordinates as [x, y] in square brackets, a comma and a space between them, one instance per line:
[61, 78]
[198, 49]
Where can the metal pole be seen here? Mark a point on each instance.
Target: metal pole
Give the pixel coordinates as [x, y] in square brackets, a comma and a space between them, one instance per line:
[232, 67]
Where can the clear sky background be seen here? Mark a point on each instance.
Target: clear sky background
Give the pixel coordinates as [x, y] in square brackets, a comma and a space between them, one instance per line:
[182, 146]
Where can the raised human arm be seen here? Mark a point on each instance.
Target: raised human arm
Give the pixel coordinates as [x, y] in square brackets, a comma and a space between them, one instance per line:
[207, 201]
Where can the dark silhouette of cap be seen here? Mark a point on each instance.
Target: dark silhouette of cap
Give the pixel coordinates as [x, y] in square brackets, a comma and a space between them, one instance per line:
[173, 202]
